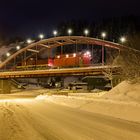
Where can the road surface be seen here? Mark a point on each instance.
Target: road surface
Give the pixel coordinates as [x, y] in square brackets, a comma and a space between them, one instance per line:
[32, 119]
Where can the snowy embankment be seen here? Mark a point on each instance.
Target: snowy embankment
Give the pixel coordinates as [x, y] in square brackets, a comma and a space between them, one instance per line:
[34, 119]
[121, 102]
[125, 91]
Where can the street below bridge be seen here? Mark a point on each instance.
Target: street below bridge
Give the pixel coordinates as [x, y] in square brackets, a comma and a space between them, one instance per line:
[36, 119]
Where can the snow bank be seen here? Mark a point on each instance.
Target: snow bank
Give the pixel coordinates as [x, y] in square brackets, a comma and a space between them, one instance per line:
[123, 101]
[125, 91]
[123, 110]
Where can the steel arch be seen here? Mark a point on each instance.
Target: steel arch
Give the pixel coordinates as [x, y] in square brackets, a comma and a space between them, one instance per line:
[62, 41]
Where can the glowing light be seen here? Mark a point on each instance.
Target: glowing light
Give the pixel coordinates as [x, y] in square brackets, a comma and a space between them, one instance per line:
[67, 55]
[29, 41]
[123, 39]
[103, 34]
[58, 56]
[41, 36]
[8, 54]
[74, 55]
[50, 64]
[69, 31]
[87, 54]
[86, 32]
[17, 47]
[55, 33]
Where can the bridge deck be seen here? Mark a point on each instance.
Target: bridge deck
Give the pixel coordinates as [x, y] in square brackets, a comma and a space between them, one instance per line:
[94, 70]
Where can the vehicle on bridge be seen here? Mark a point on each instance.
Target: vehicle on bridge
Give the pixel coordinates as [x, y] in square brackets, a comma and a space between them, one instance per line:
[81, 59]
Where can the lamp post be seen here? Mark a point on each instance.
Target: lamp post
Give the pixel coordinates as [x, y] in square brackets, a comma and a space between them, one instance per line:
[103, 34]
[86, 32]
[123, 39]
[69, 32]
[41, 36]
[29, 41]
[8, 54]
[55, 33]
[17, 47]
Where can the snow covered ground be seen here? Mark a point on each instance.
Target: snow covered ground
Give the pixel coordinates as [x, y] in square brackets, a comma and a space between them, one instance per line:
[122, 102]
[38, 119]
[123, 110]
[34, 115]
[125, 91]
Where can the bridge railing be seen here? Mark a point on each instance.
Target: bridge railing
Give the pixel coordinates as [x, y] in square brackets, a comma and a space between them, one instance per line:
[46, 67]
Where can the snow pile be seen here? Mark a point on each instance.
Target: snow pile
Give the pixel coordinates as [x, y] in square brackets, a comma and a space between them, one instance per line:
[125, 91]
[88, 95]
[74, 102]
[124, 110]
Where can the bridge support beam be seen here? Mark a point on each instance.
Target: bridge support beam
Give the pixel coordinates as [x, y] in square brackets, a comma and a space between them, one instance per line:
[5, 86]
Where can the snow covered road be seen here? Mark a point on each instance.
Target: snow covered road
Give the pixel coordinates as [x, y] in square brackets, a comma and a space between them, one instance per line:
[33, 119]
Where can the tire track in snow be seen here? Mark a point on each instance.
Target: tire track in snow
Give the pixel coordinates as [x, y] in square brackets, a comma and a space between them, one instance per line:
[9, 127]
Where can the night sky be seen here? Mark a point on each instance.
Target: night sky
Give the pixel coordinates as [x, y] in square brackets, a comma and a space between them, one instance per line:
[30, 17]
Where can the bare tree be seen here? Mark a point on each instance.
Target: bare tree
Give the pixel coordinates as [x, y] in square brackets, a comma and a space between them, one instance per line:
[129, 60]
[109, 75]
[109, 72]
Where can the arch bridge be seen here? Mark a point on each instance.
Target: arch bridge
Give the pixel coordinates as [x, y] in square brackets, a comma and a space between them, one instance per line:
[9, 64]
[40, 46]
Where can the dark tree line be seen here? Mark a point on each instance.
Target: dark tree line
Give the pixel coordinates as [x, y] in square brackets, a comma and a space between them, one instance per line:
[115, 27]
[128, 26]
[129, 59]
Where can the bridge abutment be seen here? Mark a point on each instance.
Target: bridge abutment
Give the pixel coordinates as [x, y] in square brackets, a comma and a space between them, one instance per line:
[5, 86]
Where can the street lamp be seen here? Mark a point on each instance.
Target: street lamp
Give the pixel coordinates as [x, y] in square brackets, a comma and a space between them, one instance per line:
[67, 56]
[17, 47]
[8, 54]
[86, 32]
[74, 55]
[29, 41]
[55, 33]
[103, 34]
[58, 56]
[41, 36]
[123, 39]
[69, 32]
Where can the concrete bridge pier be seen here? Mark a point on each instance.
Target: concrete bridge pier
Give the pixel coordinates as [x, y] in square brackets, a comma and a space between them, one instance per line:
[5, 86]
